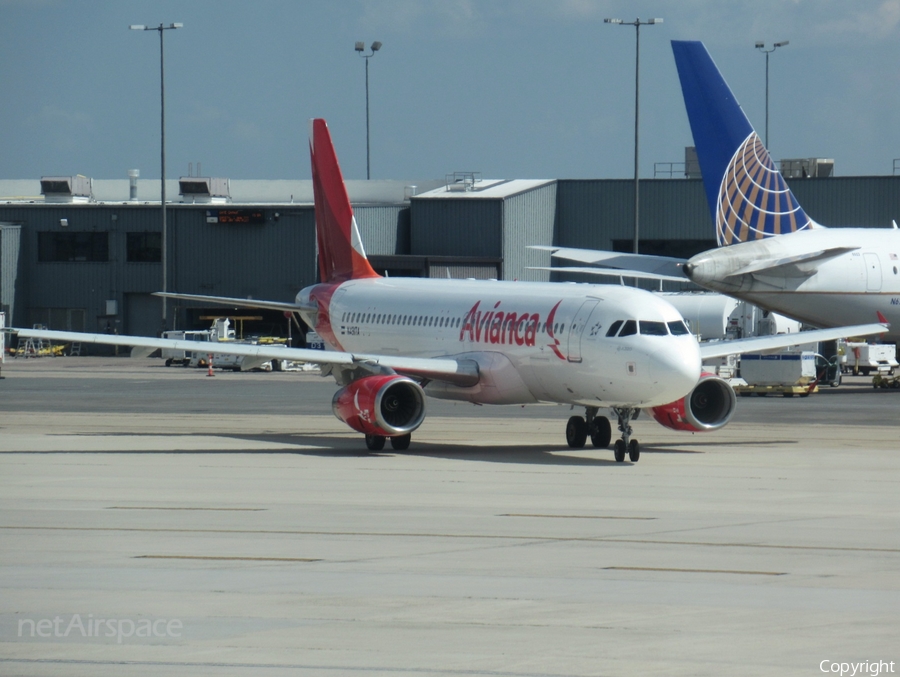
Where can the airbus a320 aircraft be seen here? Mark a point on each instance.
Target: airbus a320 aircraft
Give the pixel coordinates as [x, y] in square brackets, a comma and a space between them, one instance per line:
[393, 340]
[771, 252]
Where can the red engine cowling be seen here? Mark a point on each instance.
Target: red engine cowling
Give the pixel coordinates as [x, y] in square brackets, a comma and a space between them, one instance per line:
[708, 406]
[385, 405]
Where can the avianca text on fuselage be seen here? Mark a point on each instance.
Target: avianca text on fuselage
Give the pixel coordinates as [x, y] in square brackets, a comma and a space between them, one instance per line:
[499, 327]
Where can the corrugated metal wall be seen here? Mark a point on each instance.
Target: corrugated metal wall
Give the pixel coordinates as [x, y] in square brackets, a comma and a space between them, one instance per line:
[384, 229]
[869, 202]
[273, 260]
[528, 219]
[470, 271]
[10, 236]
[456, 227]
[593, 213]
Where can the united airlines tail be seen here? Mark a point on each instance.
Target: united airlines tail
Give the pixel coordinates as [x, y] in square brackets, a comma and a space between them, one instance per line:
[748, 197]
[341, 253]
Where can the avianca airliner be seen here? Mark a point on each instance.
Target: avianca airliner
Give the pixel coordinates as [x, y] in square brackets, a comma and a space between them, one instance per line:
[771, 252]
[391, 341]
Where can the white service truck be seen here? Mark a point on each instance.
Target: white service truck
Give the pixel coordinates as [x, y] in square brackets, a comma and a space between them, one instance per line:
[867, 358]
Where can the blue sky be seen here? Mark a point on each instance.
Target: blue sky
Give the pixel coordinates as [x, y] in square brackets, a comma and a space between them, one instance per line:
[508, 88]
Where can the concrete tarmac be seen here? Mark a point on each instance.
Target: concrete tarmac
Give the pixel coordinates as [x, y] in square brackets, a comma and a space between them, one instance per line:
[155, 521]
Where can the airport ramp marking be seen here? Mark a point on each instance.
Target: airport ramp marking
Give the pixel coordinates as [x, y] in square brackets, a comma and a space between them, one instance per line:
[214, 558]
[513, 537]
[575, 517]
[151, 507]
[698, 571]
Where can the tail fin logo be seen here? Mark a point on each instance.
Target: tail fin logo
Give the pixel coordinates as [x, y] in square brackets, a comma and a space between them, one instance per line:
[754, 200]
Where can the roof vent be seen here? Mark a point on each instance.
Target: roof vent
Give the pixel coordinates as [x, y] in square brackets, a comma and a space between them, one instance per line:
[462, 181]
[66, 188]
[201, 189]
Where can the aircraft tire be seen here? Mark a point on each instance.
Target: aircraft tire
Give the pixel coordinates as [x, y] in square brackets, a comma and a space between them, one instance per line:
[401, 442]
[601, 432]
[375, 442]
[634, 451]
[576, 432]
[619, 451]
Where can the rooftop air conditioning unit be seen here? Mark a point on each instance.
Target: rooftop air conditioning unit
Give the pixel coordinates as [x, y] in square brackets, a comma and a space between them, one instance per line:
[66, 188]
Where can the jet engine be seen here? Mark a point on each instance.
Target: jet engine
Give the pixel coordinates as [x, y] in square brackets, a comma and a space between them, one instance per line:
[708, 406]
[386, 405]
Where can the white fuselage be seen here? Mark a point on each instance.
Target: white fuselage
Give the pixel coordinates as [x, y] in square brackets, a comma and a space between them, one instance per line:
[850, 288]
[532, 341]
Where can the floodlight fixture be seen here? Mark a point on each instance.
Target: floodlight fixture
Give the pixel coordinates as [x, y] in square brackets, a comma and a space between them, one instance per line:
[637, 23]
[360, 49]
[761, 46]
[162, 117]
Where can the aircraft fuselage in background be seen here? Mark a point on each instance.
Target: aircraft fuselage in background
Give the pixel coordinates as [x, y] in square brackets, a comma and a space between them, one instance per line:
[846, 287]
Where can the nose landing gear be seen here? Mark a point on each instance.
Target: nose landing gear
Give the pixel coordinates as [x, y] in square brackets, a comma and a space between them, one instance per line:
[625, 414]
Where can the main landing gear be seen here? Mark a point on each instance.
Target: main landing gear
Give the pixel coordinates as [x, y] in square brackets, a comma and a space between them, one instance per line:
[598, 428]
[398, 442]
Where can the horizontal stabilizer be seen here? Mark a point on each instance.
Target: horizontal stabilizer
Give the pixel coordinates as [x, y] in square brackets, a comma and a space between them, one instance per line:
[800, 265]
[761, 344]
[660, 267]
[236, 302]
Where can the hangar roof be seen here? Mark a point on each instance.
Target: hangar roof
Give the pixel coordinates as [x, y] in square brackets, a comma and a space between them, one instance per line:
[243, 191]
[484, 189]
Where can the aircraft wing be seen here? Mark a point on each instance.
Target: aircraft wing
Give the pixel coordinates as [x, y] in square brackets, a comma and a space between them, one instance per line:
[800, 265]
[459, 372]
[760, 344]
[630, 265]
[235, 302]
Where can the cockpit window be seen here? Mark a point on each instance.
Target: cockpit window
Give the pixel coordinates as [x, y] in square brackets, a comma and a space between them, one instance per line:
[678, 328]
[614, 328]
[629, 328]
[654, 328]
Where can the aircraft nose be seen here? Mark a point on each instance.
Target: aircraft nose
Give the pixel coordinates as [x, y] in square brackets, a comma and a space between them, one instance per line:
[689, 270]
[677, 369]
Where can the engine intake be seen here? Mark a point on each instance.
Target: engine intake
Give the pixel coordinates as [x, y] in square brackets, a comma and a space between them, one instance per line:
[709, 406]
[385, 405]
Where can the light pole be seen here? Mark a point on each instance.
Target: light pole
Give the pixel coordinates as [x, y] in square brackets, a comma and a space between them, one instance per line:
[360, 49]
[761, 46]
[162, 116]
[637, 23]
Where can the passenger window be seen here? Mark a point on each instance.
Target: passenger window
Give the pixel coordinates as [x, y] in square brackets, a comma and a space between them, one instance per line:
[614, 328]
[654, 328]
[678, 328]
[629, 328]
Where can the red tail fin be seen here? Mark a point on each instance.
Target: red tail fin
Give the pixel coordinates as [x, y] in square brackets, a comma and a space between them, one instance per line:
[341, 253]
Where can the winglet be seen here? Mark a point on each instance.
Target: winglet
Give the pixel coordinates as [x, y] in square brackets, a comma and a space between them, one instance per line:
[882, 318]
[341, 253]
[748, 197]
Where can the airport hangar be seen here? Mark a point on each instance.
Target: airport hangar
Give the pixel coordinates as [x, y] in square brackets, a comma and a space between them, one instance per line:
[84, 255]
